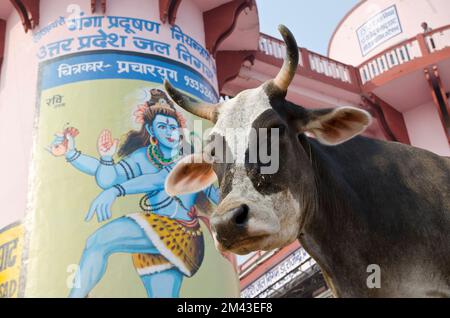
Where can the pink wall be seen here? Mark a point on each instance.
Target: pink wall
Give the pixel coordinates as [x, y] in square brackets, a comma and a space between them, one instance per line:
[425, 129]
[17, 104]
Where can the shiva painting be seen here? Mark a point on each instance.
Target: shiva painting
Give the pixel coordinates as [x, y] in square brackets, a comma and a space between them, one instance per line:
[163, 235]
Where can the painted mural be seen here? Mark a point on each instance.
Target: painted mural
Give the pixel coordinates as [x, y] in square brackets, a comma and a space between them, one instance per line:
[106, 136]
[164, 237]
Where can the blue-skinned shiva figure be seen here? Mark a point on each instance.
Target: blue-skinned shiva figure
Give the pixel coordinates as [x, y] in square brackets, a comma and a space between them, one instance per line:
[165, 238]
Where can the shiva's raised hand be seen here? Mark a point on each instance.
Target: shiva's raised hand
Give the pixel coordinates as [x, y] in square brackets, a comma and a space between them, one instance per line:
[63, 142]
[106, 145]
[102, 205]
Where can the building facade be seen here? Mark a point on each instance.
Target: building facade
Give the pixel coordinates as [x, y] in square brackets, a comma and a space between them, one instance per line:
[94, 65]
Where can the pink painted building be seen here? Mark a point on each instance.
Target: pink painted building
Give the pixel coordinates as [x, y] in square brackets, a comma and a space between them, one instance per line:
[390, 57]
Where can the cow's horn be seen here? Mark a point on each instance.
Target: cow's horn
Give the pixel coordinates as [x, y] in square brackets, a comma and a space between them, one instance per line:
[287, 72]
[202, 110]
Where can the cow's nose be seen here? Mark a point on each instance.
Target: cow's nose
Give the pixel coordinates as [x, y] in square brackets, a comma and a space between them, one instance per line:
[232, 223]
[239, 215]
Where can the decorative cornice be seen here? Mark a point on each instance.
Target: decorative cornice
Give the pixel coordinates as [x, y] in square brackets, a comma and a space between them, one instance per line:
[28, 11]
[94, 5]
[221, 21]
[391, 121]
[229, 64]
[168, 10]
[439, 97]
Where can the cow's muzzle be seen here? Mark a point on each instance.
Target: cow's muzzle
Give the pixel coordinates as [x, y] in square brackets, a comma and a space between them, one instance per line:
[232, 225]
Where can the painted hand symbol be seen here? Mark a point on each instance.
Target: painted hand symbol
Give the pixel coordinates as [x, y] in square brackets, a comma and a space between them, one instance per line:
[102, 205]
[64, 142]
[106, 145]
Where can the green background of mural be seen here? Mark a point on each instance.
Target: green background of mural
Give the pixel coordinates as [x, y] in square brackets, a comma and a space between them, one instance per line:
[61, 195]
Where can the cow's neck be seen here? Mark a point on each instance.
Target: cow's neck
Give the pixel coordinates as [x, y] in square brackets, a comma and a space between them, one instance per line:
[328, 231]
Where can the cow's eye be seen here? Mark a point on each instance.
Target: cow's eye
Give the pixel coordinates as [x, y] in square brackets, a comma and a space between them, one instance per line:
[215, 148]
[210, 153]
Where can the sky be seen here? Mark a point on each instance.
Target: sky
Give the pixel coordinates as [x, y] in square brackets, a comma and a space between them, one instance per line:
[311, 21]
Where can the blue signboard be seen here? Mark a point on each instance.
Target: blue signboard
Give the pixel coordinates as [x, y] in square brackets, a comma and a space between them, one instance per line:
[124, 65]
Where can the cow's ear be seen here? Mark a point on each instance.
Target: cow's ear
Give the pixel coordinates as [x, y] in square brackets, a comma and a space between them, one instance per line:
[335, 126]
[191, 174]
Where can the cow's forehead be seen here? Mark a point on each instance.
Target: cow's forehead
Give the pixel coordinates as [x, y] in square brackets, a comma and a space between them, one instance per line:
[241, 111]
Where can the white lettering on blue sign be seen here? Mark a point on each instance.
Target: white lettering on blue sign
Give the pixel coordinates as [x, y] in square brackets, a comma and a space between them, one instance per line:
[122, 65]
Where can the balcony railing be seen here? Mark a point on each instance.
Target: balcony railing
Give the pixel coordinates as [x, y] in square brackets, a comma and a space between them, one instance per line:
[330, 68]
[309, 61]
[398, 55]
[438, 40]
[407, 51]
[404, 52]
[273, 47]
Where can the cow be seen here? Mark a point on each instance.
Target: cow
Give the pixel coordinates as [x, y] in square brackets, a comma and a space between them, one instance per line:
[358, 206]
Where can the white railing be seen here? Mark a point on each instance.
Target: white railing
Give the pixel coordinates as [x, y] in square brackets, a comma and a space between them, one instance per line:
[329, 68]
[382, 63]
[417, 47]
[405, 52]
[272, 47]
[318, 64]
[438, 40]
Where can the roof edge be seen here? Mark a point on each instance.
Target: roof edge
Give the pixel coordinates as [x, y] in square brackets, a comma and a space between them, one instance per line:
[355, 7]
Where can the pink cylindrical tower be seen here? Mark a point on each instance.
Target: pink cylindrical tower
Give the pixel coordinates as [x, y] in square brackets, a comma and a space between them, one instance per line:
[89, 136]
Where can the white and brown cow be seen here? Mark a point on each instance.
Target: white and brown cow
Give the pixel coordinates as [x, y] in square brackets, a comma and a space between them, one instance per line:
[350, 200]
